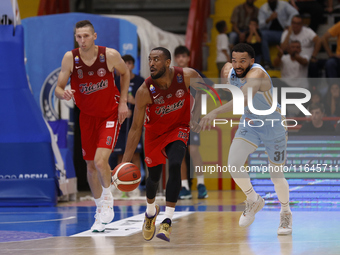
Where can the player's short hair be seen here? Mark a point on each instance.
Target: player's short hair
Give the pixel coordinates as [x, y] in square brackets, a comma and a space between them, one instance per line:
[317, 106]
[127, 58]
[182, 50]
[84, 23]
[244, 47]
[165, 51]
[220, 26]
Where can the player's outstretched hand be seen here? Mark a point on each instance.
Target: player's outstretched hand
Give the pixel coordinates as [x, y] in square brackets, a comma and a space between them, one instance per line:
[207, 119]
[68, 94]
[122, 112]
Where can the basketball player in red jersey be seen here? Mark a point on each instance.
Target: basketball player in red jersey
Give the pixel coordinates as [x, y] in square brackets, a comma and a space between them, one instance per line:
[102, 110]
[165, 98]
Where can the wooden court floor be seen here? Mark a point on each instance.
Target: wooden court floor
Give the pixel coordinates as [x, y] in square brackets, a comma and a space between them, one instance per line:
[210, 228]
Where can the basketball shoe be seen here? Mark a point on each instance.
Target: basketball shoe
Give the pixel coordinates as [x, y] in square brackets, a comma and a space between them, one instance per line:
[106, 214]
[149, 227]
[165, 230]
[248, 215]
[286, 223]
[97, 226]
[184, 194]
[202, 191]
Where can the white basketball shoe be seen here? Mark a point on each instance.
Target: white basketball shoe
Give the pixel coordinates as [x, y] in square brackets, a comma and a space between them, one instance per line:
[97, 226]
[106, 214]
[286, 223]
[248, 215]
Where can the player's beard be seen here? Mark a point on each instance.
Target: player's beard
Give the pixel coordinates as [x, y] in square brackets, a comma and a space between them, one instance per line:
[159, 74]
[244, 73]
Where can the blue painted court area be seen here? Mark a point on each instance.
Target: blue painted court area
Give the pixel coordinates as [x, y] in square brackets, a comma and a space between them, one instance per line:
[28, 223]
[25, 223]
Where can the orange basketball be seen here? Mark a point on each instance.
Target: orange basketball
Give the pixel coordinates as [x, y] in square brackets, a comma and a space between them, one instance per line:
[126, 177]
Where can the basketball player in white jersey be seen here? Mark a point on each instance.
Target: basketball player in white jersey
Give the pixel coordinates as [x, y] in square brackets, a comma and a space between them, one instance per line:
[244, 73]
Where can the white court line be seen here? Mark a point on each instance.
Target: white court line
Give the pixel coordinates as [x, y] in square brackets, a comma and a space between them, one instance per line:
[69, 218]
[128, 226]
[184, 245]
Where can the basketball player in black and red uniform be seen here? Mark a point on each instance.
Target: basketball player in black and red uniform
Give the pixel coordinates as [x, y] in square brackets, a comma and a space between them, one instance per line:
[102, 110]
[165, 99]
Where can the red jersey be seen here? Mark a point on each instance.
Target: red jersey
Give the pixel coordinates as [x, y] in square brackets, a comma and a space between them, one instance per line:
[170, 108]
[96, 92]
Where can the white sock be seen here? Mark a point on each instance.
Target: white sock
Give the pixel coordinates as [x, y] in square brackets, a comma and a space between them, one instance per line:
[106, 192]
[97, 201]
[285, 208]
[150, 209]
[169, 212]
[200, 179]
[251, 194]
[185, 184]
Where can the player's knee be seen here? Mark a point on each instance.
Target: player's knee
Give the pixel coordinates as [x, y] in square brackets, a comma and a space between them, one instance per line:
[91, 169]
[175, 166]
[100, 164]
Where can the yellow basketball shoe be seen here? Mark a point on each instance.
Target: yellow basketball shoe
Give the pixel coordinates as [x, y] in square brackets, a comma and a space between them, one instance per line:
[165, 230]
[149, 227]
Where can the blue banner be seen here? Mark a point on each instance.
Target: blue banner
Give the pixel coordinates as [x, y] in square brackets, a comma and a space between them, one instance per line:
[48, 38]
[27, 168]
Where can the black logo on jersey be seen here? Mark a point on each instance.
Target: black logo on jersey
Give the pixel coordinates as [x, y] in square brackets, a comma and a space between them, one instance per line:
[162, 110]
[90, 88]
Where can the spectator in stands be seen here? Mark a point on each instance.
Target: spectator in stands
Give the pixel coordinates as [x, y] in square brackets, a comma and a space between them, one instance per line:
[332, 101]
[316, 124]
[240, 19]
[315, 97]
[314, 8]
[222, 43]
[253, 38]
[332, 65]
[182, 58]
[310, 42]
[274, 17]
[294, 69]
[293, 65]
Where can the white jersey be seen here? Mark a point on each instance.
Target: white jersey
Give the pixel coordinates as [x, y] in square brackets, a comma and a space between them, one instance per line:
[261, 100]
